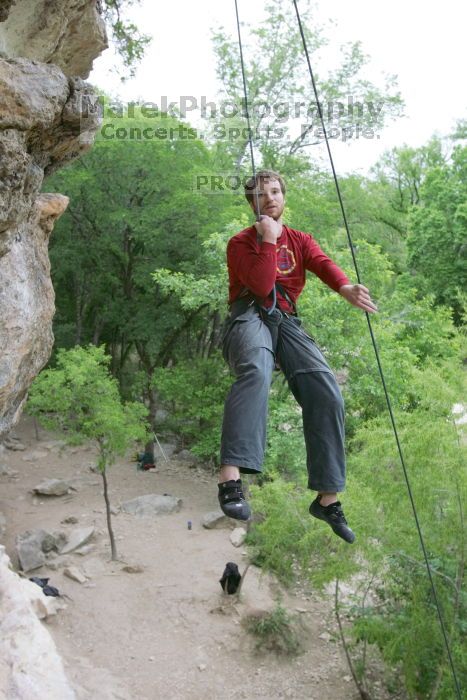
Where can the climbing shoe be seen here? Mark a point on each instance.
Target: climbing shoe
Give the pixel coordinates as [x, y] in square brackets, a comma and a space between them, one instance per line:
[232, 501]
[334, 516]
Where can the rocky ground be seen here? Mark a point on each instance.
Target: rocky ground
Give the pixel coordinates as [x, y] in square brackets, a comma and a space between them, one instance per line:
[155, 623]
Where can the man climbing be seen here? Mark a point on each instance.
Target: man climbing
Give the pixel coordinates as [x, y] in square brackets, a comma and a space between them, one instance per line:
[267, 264]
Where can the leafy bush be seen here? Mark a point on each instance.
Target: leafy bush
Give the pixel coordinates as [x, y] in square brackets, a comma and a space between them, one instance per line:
[399, 617]
[80, 396]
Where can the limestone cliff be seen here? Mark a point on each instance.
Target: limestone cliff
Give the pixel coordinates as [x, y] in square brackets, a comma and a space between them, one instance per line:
[46, 48]
[67, 33]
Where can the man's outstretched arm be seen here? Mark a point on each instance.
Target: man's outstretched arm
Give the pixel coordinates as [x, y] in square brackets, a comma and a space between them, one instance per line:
[358, 295]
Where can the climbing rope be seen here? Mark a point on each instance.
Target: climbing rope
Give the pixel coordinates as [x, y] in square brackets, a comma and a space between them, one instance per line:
[380, 369]
[252, 155]
[247, 114]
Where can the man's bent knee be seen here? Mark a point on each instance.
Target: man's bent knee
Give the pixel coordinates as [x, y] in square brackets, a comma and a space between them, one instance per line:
[256, 366]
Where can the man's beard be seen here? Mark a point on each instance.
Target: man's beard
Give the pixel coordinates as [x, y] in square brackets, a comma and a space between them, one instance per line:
[276, 214]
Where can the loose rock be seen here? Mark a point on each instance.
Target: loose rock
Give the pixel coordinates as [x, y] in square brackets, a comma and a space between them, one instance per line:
[152, 504]
[215, 520]
[35, 455]
[77, 538]
[57, 564]
[54, 445]
[29, 549]
[53, 487]
[75, 574]
[133, 569]
[237, 536]
[13, 444]
[325, 636]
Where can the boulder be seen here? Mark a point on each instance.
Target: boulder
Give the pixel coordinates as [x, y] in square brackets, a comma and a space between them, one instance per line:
[33, 545]
[60, 539]
[48, 543]
[69, 33]
[53, 487]
[215, 520]
[30, 666]
[77, 538]
[152, 504]
[29, 548]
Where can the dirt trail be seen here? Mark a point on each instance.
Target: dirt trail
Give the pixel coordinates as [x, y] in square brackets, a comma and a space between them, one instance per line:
[167, 632]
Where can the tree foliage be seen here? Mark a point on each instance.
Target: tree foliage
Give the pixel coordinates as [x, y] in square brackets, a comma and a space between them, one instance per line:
[283, 111]
[133, 210]
[129, 42]
[138, 263]
[80, 396]
[437, 232]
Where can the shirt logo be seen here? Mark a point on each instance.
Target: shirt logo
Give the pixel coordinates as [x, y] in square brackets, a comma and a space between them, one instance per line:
[285, 261]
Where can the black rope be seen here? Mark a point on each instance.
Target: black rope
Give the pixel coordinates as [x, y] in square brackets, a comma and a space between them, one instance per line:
[247, 115]
[393, 422]
[250, 141]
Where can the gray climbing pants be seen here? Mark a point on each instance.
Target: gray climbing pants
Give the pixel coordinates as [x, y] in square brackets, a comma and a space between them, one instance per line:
[252, 346]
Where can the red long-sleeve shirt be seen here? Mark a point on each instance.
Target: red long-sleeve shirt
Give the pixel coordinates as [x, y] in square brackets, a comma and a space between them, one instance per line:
[256, 266]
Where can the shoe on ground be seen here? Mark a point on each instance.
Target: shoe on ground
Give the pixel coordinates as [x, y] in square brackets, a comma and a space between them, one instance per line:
[232, 501]
[334, 516]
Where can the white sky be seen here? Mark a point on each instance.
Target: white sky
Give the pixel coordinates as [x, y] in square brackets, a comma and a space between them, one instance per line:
[423, 43]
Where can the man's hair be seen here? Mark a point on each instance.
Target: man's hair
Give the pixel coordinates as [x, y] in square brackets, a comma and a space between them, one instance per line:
[262, 175]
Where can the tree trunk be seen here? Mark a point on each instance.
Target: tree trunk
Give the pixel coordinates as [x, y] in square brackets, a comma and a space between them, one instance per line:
[79, 321]
[152, 398]
[113, 546]
[97, 331]
[215, 334]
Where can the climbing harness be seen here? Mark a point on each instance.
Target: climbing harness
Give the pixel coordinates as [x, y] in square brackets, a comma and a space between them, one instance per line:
[380, 369]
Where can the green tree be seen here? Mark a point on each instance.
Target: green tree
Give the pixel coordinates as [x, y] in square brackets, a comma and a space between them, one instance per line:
[284, 114]
[80, 396]
[405, 168]
[132, 210]
[129, 42]
[438, 229]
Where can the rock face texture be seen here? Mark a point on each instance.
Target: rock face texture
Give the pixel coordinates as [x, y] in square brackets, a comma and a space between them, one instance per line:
[30, 667]
[26, 306]
[46, 48]
[68, 33]
[44, 42]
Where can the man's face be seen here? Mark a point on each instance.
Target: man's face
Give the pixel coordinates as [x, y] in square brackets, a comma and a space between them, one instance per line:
[271, 199]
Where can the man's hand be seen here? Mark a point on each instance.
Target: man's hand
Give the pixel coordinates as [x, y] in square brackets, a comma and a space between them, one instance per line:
[358, 295]
[269, 229]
